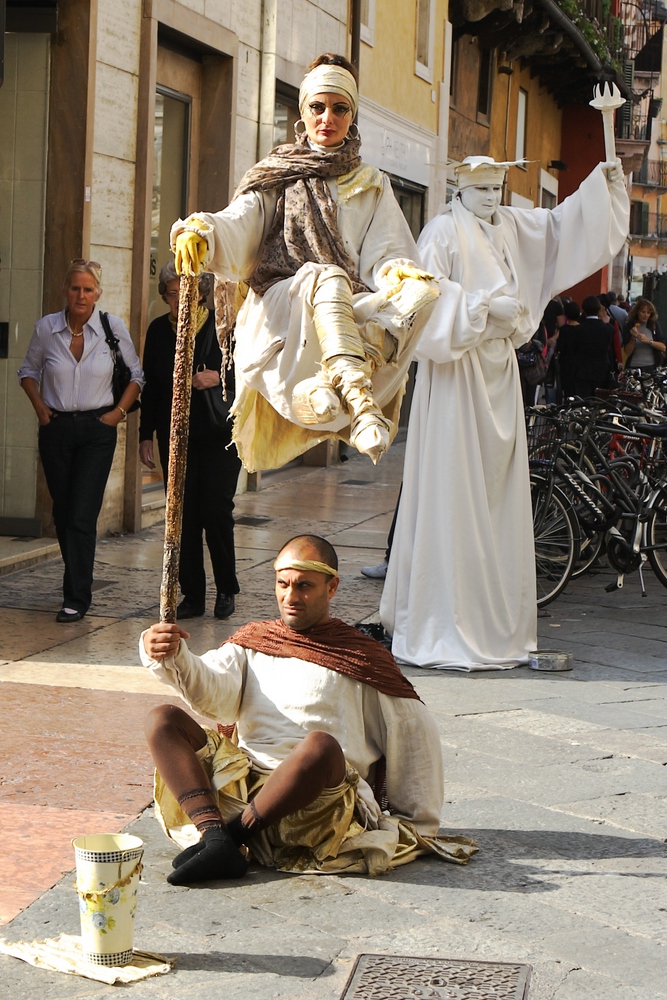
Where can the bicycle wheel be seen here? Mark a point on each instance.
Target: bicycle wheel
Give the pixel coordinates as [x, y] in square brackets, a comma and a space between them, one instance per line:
[656, 536]
[590, 550]
[557, 539]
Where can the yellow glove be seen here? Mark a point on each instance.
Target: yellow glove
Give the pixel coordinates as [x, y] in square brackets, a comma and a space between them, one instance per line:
[190, 251]
[398, 272]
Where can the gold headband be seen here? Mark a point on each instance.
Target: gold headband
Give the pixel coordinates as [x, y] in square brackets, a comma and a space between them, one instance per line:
[305, 566]
[327, 79]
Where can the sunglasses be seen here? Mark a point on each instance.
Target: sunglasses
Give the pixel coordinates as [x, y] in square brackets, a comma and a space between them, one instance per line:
[340, 110]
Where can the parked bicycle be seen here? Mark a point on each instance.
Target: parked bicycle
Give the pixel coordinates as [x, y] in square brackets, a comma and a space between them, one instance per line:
[587, 496]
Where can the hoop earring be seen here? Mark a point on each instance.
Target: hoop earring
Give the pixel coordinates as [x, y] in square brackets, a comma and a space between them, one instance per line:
[357, 133]
[297, 134]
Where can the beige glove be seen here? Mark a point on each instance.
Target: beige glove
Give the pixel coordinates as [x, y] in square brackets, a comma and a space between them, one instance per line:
[190, 250]
[396, 274]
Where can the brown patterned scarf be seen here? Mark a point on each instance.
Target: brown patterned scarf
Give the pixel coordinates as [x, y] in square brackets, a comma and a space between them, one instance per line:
[334, 645]
[305, 227]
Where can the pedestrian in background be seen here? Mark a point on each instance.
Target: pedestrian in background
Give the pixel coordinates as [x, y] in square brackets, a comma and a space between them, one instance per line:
[567, 341]
[616, 311]
[643, 341]
[67, 375]
[610, 317]
[213, 464]
[593, 349]
[552, 320]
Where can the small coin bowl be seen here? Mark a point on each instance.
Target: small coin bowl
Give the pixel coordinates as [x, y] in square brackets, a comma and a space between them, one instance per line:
[550, 659]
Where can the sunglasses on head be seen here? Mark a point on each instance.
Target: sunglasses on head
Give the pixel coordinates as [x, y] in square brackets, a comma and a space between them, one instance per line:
[80, 261]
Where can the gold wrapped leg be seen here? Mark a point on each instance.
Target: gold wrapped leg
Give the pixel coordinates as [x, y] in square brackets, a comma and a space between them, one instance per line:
[345, 365]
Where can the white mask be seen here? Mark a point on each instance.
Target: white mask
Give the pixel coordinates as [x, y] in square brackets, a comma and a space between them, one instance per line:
[482, 201]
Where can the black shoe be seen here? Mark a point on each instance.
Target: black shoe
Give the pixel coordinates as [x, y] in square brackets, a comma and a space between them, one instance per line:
[375, 630]
[224, 606]
[190, 609]
[69, 616]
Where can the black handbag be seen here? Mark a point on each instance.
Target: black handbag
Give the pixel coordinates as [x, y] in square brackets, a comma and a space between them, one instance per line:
[122, 376]
[532, 364]
[217, 408]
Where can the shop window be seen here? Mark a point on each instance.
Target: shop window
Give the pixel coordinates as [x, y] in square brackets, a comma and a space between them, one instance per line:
[547, 199]
[425, 37]
[411, 199]
[521, 117]
[171, 144]
[285, 114]
[454, 71]
[484, 84]
[367, 19]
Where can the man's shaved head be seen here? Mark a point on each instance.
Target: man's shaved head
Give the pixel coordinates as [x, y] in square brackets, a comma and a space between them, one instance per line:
[304, 585]
[311, 544]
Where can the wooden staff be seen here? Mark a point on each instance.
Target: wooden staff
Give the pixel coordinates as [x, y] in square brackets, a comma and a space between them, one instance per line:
[178, 444]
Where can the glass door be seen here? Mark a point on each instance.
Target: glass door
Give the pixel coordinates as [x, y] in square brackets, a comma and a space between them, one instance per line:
[171, 146]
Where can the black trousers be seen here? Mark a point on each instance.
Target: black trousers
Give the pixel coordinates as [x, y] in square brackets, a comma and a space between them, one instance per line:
[77, 451]
[210, 484]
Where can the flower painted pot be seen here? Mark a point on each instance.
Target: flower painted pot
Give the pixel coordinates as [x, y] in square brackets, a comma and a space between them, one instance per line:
[108, 867]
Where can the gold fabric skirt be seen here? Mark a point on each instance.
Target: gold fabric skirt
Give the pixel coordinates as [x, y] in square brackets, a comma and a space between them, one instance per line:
[341, 831]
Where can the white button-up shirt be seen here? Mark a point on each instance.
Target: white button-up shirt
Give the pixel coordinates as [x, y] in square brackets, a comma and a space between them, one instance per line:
[67, 384]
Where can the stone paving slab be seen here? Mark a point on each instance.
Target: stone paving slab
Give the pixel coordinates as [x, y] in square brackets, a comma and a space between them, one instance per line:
[92, 676]
[39, 839]
[26, 632]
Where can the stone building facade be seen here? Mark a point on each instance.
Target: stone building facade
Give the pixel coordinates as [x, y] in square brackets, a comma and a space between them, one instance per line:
[118, 116]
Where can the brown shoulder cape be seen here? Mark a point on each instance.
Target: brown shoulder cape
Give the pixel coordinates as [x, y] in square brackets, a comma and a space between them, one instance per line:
[334, 645]
[305, 227]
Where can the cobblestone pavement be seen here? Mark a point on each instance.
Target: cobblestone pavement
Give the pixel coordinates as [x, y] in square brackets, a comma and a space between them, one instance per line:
[561, 779]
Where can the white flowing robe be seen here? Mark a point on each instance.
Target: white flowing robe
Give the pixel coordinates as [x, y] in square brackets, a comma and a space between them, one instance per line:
[460, 588]
[276, 341]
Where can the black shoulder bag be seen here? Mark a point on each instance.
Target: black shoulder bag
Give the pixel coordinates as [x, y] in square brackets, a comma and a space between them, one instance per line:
[122, 376]
[217, 408]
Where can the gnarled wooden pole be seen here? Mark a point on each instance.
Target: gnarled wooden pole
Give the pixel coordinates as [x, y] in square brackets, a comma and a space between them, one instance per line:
[178, 444]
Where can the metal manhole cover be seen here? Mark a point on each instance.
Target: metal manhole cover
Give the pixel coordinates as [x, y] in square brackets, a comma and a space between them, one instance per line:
[395, 977]
[254, 522]
[356, 482]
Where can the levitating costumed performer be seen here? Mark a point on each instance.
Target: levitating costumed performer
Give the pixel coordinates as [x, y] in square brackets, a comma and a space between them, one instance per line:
[460, 588]
[322, 714]
[328, 327]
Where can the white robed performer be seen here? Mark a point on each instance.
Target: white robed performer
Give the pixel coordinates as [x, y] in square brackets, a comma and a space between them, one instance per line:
[460, 589]
[328, 328]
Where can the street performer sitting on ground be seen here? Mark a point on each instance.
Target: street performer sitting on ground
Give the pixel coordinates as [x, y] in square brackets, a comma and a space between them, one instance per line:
[320, 711]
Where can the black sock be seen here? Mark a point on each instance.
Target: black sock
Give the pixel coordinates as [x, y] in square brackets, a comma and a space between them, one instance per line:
[242, 833]
[218, 858]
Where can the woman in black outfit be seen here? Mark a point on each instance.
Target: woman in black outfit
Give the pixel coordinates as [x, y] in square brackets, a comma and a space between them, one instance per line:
[213, 463]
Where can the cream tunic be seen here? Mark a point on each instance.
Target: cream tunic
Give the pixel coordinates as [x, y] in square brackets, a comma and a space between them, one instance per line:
[276, 342]
[276, 701]
[460, 588]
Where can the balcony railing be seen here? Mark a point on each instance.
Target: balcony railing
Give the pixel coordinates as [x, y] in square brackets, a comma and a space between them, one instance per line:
[633, 126]
[647, 225]
[653, 173]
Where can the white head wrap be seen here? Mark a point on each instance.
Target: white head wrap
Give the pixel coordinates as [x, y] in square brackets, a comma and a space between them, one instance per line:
[477, 171]
[327, 79]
